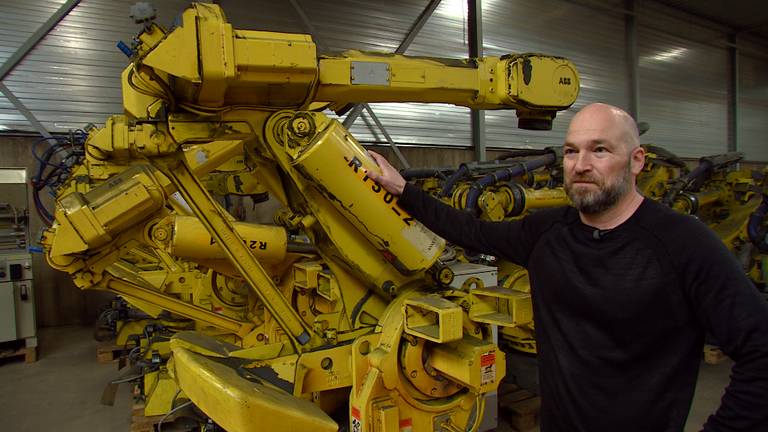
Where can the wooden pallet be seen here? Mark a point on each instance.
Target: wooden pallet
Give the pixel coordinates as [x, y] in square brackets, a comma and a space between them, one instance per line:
[519, 407]
[108, 352]
[12, 349]
[713, 355]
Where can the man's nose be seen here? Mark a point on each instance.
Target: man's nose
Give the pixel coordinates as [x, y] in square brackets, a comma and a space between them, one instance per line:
[583, 162]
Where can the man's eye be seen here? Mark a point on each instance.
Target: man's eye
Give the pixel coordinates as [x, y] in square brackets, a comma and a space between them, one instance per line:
[569, 151]
[601, 150]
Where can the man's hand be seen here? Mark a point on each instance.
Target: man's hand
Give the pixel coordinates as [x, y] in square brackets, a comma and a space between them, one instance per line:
[390, 179]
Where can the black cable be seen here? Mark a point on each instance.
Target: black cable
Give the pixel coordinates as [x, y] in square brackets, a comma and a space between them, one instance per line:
[359, 307]
[52, 175]
[514, 153]
[420, 173]
[168, 414]
[755, 231]
[459, 174]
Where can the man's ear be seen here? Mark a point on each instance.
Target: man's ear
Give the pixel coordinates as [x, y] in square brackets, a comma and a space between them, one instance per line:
[637, 160]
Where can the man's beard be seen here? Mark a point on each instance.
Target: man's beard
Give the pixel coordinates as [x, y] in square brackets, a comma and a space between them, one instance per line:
[589, 201]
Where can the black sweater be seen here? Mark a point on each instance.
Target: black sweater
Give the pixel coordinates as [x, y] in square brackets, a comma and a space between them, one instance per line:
[621, 315]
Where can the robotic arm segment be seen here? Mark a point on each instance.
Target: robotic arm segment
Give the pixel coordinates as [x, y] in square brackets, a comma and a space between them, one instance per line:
[215, 67]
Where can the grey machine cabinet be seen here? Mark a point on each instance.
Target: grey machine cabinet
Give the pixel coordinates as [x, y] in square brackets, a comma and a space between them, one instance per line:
[17, 296]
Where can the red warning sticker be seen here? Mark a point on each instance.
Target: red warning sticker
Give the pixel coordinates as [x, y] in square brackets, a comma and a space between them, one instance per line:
[406, 425]
[487, 367]
[488, 358]
[357, 426]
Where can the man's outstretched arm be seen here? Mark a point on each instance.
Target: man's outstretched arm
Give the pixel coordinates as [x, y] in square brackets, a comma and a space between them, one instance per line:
[511, 240]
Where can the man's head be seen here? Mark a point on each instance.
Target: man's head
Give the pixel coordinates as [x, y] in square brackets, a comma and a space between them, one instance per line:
[601, 157]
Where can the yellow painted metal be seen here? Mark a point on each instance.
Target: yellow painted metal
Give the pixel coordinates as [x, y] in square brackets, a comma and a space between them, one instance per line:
[689, 202]
[422, 376]
[94, 218]
[496, 204]
[152, 35]
[240, 405]
[325, 153]
[148, 308]
[203, 344]
[733, 230]
[136, 327]
[251, 68]
[121, 140]
[502, 203]
[191, 240]
[136, 104]
[261, 352]
[475, 363]
[120, 282]
[379, 381]
[216, 50]
[433, 318]
[160, 392]
[655, 177]
[176, 55]
[276, 69]
[500, 306]
[365, 262]
[243, 183]
[323, 370]
[215, 65]
[311, 276]
[544, 198]
[204, 158]
[386, 417]
[209, 100]
[237, 252]
[525, 82]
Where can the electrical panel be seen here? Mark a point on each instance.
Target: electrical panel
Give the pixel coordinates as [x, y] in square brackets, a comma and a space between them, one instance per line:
[17, 297]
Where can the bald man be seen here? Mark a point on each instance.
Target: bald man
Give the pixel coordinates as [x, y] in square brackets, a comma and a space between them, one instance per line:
[624, 290]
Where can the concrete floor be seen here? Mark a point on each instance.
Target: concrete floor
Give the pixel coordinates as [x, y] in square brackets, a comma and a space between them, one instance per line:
[62, 390]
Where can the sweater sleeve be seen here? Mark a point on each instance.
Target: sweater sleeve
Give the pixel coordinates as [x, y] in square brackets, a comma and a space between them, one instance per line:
[733, 311]
[510, 240]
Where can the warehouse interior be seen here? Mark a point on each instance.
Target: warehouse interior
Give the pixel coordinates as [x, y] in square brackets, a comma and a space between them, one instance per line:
[693, 74]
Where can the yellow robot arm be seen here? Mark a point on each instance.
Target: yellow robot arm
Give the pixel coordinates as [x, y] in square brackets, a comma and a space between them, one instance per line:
[214, 66]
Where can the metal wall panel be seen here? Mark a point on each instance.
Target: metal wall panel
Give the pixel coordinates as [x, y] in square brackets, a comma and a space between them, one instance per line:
[683, 83]
[683, 93]
[753, 108]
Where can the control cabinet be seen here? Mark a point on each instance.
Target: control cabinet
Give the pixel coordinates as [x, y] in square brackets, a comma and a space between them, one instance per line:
[17, 296]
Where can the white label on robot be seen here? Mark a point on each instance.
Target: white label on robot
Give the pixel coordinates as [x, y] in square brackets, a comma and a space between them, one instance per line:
[424, 240]
[488, 367]
[180, 200]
